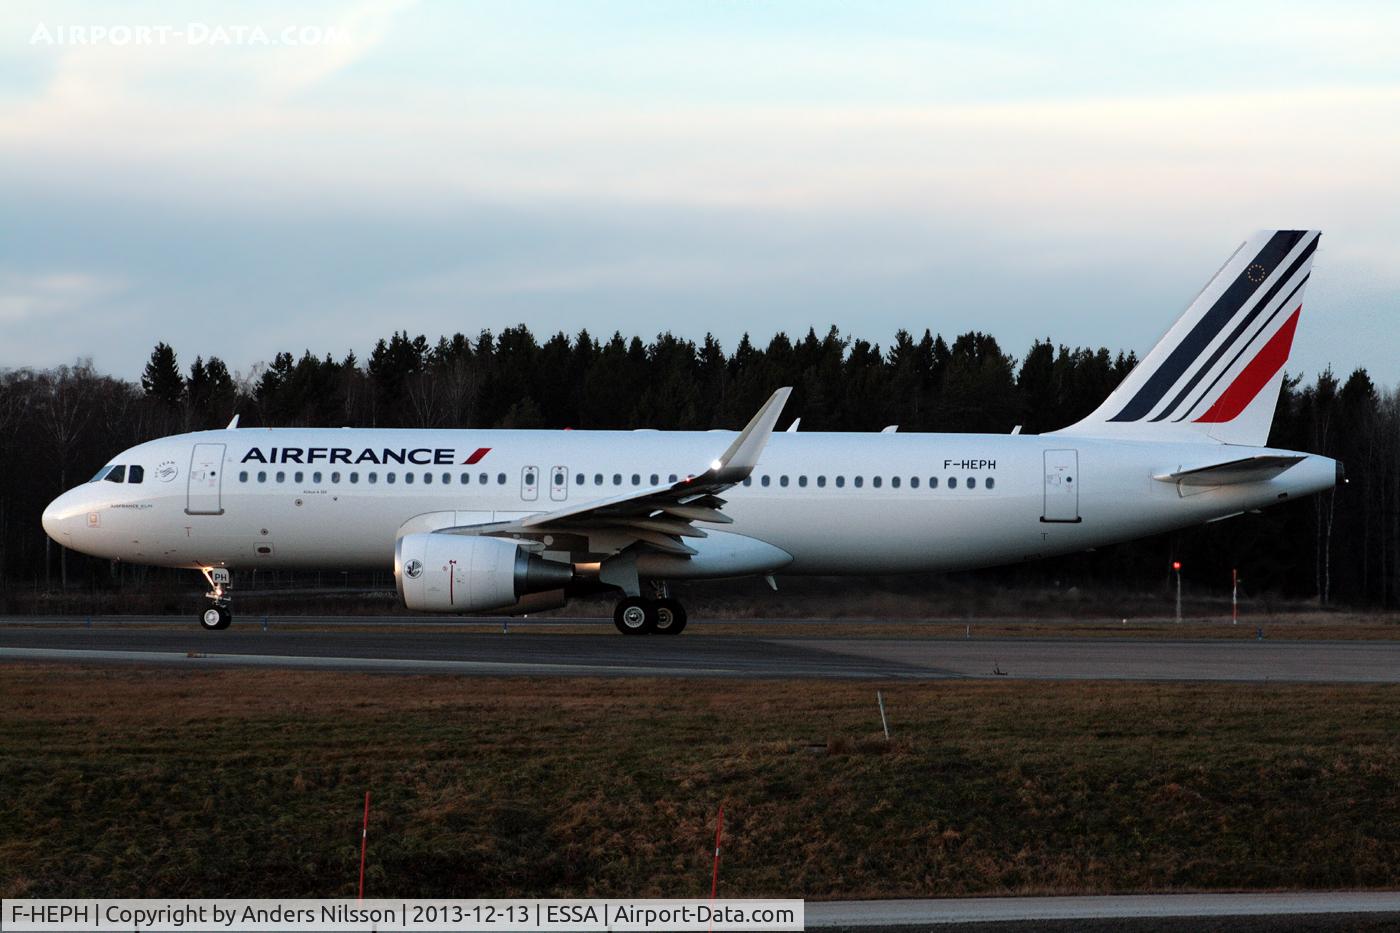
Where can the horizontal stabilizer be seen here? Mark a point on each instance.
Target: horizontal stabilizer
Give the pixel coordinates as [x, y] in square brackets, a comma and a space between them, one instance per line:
[1233, 472]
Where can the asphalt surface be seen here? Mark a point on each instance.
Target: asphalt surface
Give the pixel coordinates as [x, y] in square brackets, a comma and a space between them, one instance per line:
[535, 653]
[1136, 907]
[1246, 911]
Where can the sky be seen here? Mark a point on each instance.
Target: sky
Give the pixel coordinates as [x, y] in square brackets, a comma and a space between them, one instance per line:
[242, 179]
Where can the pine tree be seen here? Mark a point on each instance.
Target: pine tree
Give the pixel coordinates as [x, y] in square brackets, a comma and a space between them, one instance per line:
[162, 380]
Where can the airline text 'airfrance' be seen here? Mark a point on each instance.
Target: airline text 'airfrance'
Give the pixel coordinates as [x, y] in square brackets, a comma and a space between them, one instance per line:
[419, 455]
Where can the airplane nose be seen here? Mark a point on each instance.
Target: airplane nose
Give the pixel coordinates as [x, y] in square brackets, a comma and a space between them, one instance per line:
[53, 521]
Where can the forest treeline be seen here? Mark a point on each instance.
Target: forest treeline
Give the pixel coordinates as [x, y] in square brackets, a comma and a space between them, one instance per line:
[58, 426]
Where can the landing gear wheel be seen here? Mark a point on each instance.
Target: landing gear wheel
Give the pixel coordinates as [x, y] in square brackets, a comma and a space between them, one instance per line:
[670, 616]
[215, 618]
[635, 616]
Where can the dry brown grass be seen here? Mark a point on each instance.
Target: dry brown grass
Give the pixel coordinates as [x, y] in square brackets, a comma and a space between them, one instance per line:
[152, 782]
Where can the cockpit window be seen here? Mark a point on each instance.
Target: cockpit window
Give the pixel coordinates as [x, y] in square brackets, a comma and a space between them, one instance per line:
[100, 474]
[117, 474]
[136, 474]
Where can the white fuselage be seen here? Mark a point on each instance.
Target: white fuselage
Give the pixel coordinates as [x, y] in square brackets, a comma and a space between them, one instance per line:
[837, 503]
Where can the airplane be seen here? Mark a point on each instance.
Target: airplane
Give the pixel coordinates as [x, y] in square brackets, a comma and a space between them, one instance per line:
[519, 521]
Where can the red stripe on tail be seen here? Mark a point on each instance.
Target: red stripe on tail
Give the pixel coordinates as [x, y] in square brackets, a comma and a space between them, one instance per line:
[1255, 376]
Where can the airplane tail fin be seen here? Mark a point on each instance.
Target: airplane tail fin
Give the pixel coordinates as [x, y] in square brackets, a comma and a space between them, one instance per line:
[1216, 374]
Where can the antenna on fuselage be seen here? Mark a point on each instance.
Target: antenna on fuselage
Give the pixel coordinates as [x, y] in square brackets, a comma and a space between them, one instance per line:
[232, 424]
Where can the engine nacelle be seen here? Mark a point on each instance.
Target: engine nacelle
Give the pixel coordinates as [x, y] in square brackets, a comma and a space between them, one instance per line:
[467, 573]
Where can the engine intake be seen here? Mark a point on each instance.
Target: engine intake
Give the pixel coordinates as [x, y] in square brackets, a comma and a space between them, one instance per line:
[466, 573]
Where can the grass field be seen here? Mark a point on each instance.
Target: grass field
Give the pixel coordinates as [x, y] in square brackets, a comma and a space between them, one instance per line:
[146, 782]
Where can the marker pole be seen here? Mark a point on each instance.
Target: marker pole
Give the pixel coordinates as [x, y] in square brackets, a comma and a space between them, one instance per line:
[364, 837]
[1235, 596]
[719, 829]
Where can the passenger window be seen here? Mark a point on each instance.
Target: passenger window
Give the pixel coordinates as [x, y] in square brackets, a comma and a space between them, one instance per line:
[933, 482]
[373, 477]
[991, 482]
[466, 478]
[299, 476]
[821, 482]
[952, 482]
[408, 476]
[578, 480]
[913, 482]
[617, 479]
[243, 476]
[748, 480]
[783, 480]
[136, 474]
[427, 478]
[281, 477]
[876, 481]
[972, 482]
[840, 482]
[597, 479]
[860, 481]
[500, 479]
[316, 477]
[672, 478]
[894, 482]
[390, 477]
[482, 478]
[335, 477]
[655, 480]
[262, 476]
[118, 475]
[767, 480]
[636, 479]
[802, 481]
[354, 477]
[447, 477]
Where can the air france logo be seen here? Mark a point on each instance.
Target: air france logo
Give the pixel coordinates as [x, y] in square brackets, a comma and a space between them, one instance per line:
[413, 568]
[167, 471]
[383, 456]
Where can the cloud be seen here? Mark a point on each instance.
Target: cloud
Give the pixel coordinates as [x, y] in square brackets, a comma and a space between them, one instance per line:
[37, 299]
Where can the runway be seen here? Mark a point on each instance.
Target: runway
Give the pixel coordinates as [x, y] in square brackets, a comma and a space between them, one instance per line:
[527, 652]
[1348, 907]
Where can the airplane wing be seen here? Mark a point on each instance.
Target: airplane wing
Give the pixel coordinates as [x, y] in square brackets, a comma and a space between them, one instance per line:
[660, 516]
[1246, 470]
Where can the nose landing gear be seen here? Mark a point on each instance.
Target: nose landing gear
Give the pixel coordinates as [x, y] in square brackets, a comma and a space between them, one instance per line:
[218, 616]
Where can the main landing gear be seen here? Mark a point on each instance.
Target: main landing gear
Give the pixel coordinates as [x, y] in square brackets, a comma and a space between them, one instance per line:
[636, 615]
[218, 616]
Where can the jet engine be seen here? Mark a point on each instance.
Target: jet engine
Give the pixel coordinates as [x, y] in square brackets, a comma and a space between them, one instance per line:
[466, 573]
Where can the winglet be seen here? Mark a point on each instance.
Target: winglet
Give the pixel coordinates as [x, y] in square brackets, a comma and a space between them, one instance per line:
[736, 463]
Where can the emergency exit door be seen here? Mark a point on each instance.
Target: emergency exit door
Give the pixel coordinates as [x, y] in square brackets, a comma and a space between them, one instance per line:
[529, 484]
[202, 494]
[1061, 486]
[559, 483]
